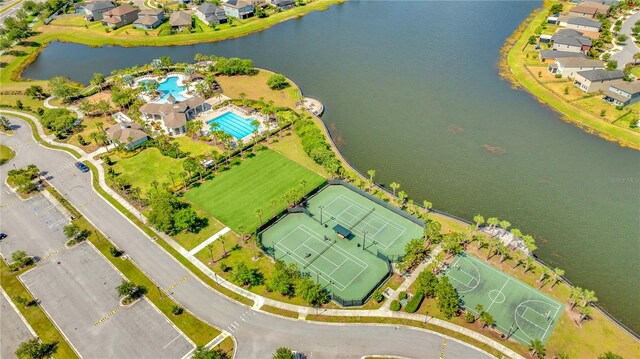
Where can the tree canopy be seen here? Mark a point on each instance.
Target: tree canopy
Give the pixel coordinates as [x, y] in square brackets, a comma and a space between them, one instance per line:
[447, 298]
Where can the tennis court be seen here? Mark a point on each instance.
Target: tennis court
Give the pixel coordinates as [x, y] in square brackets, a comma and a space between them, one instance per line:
[520, 311]
[380, 227]
[338, 264]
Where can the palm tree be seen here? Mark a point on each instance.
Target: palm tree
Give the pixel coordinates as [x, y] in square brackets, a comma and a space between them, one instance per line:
[274, 203]
[256, 126]
[493, 222]
[210, 248]
[155, 184]
[478, 220]
[529, 264]
[242, 229]
[537, 348]
[371, 173]
[487, 320]
[259, 214]
[529, 243]
[243, 98]
[303, 183]
[502, 249]
[222, 240]
[173, 183]
[493, 243]
[505, 225]
[183, 175]
[516, 233]
[588, 297]
[427, 205]
[585, 312]
[402, 195]
[394, 186]
[556, 276]
[636, 57]
[519, 258]
[99, 125]
[544, 275]
[574, 296]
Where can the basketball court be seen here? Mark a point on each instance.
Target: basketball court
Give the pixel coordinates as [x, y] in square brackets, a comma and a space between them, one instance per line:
[520, 311]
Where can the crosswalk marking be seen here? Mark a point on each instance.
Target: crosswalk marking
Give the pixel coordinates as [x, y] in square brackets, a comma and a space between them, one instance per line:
[52, 254]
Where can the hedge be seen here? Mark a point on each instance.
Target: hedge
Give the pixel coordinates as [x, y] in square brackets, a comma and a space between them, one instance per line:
[414, 303]
[395, 306]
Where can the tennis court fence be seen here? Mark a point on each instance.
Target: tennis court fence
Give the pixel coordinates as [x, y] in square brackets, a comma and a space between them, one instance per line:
[360, 302]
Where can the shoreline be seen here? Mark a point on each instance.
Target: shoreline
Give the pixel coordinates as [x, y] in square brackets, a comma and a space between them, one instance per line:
[567, 111]
[100, 40]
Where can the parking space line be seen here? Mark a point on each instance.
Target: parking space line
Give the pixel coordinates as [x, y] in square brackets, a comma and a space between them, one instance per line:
[174, 339]
[52, 254]
[173, 286]
[107, 316]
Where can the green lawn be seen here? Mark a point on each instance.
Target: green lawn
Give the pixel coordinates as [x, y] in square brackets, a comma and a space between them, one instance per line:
[6, 154]
[148, 166]
[194, 147]
[234, 196]
[635, 71]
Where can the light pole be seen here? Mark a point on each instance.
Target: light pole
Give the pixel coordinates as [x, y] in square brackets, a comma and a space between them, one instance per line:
[321, 207]
[364, 238]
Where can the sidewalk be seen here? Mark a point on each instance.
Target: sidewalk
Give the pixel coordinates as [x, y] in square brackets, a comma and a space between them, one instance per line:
[258, 300]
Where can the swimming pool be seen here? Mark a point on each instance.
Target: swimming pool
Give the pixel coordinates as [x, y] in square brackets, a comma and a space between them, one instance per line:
[237, 126]
[169, 86]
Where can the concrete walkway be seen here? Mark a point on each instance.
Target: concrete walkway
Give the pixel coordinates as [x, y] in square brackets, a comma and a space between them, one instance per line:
[259, 301]
[209, 240]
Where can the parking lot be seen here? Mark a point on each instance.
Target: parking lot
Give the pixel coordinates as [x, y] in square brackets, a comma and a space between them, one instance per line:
[77, 289]
[34, 226]
[12, 329]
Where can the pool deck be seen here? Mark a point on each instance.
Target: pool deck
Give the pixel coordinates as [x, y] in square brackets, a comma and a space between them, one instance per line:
[207, 116]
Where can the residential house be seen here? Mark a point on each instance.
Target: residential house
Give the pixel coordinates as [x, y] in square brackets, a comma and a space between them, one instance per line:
[240, 9]
[130, 135]
[180, 20]
[120, 16]
[552, 56]
[622, 93]
[283, 4]
[589, 9]
[570, 40]
[595, 80]
[210, 14]
[93, 11]
[149, 19]
[569, 66]
[583, 24]
[172, 117]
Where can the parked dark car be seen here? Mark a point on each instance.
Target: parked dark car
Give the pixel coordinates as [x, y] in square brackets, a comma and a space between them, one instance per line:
[82, 167]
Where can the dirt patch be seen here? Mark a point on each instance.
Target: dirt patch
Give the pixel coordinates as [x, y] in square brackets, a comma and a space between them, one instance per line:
[496, 150]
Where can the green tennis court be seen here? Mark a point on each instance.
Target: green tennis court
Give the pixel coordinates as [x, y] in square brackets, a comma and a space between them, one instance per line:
[383, 229]
[520, 311]
[337, 263]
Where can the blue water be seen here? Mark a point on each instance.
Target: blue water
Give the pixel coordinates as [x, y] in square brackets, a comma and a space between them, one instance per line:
[236, 126]
[169, 86]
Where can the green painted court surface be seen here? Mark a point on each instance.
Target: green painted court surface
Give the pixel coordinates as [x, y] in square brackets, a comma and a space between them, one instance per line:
[517, 308]
[386, 231]
[337, 263]
[234, 196]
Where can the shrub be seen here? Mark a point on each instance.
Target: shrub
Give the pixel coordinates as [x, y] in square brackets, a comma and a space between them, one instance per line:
[377, 296]
[619, 108]
[402, 295]
[224, 267]
[177, 310]
[414, 303]
[277, 82]
[558, 76]
[115, 252]
[395, 306]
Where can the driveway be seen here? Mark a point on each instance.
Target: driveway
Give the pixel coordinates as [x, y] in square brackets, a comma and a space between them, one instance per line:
[625, 55]
[257, 334]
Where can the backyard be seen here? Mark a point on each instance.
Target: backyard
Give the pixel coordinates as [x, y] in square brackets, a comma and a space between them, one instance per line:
[258, 183]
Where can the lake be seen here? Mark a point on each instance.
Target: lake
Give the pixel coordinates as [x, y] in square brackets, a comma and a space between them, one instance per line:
[412, 90]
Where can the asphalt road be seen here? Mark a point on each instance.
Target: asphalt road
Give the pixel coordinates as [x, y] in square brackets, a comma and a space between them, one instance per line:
[257, 334]
[625, 55]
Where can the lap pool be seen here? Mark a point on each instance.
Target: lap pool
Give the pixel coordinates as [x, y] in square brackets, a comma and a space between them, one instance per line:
[233, 124]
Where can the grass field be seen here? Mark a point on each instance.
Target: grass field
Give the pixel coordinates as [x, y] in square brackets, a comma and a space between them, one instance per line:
[256, 87]
[234, 196]
[6, 154]
[290, 146]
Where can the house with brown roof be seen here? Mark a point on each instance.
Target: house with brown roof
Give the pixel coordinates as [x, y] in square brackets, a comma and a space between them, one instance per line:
[120, 16]
[622, 93]
[149, 19]
[589, 9]
[180, 20]
[172, 117]
[130, 135]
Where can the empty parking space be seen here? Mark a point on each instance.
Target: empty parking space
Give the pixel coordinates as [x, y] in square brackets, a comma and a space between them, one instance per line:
[77, 289]
[13, 330]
